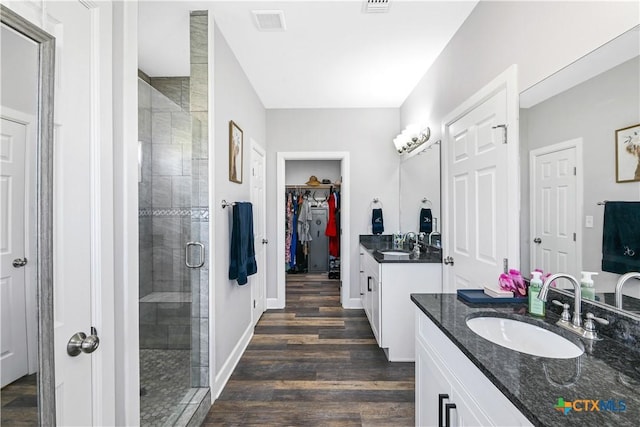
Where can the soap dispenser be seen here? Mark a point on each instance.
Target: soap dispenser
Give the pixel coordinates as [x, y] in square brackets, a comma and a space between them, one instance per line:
[536, 306]
[586, 285]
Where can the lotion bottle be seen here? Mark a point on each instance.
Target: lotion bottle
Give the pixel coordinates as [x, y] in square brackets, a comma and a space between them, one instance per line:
[586, 285]
[536, 306]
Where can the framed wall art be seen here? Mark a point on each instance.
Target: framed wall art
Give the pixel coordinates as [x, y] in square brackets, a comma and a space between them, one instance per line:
[235, 153]
[628, 154]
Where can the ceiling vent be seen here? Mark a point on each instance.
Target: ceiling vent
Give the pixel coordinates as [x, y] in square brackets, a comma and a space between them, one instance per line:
[269, 20]
[376, 6]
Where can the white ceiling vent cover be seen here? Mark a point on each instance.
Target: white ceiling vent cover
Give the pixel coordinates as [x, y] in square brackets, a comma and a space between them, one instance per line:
[269, 20]
[376, 6]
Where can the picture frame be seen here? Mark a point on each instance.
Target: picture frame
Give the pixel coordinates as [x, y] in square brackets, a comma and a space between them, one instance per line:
[235, 152]
[628, 154]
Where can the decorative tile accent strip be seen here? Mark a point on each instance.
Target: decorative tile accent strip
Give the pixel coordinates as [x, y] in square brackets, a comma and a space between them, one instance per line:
[197, 214]
[201, 214]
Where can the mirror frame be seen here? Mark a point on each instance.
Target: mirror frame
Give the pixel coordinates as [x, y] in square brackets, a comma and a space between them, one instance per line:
[44, 209]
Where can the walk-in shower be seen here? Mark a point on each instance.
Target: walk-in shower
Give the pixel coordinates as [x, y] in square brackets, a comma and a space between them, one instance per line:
[174, 229]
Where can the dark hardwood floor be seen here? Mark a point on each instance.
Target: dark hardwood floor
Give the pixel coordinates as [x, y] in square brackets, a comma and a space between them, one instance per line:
[314, 363]
[20, 402]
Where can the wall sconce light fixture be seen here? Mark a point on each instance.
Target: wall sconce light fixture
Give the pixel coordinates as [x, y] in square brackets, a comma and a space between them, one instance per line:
[411, 138]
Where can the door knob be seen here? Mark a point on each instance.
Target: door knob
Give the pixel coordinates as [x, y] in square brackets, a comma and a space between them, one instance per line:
[265, 241]
[81, 343]
[537, 240]
[19, 262]
[448, 260]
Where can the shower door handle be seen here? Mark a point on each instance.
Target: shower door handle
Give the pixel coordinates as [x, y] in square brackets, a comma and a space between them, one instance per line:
[200, 262]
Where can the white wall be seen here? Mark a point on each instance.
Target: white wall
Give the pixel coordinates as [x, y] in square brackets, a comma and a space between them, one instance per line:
[298, 172]
[234, 99]
[592, 111]
[541, 37]
[366, 134]
[19, 80]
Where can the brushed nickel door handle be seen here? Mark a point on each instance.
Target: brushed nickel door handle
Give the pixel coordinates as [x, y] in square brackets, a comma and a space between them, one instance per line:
[19, 262]
[81, 343]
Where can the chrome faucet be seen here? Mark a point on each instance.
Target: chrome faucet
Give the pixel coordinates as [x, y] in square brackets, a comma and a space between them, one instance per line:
[621, 281]
[409, 235]
[576, 321]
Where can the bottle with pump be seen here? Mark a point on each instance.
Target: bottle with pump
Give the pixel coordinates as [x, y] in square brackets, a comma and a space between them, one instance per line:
[536, 306]
[586, 285]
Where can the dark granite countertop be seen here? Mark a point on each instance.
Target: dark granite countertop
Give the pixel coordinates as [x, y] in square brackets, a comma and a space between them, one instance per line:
[374, 244]
[607, 370]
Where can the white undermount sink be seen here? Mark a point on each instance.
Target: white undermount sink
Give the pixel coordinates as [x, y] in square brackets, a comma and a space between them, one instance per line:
[395, 254]
[524, 337]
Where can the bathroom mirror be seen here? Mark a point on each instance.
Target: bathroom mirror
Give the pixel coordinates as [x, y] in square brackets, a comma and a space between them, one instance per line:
[419, 180]
[27, 102]
[572, 116]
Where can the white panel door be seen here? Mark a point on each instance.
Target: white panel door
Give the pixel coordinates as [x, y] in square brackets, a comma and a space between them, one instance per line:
[477, 202]
[13, 351]
[553, 211]
[258, 281]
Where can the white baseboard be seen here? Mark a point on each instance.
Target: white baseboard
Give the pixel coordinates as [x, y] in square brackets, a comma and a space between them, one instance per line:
[353, 303]
[232, 361]
[274, 304]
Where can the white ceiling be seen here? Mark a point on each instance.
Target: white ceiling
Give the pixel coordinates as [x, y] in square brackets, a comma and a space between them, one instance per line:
[332, 55]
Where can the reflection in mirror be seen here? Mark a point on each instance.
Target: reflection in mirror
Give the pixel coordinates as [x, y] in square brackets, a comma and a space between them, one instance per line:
[568, 121]
[26, 231]
[419, 180]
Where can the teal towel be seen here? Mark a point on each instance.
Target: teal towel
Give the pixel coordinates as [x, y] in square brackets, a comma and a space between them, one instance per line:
[377, 223]
[242, 262]
[621, 237]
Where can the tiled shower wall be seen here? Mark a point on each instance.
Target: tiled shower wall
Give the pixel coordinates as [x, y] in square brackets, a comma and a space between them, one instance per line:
[165, 217]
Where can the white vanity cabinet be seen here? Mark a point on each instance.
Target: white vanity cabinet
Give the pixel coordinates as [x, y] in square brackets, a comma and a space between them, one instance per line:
[449, 385]
[385, 292]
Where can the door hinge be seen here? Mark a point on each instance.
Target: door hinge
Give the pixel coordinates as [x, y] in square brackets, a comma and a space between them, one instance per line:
[574, 237]
[505, 265]
[254, 303]
[575, 171]
[504, 134]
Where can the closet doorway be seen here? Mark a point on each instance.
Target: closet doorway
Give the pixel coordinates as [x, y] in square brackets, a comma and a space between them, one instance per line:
[310, 188]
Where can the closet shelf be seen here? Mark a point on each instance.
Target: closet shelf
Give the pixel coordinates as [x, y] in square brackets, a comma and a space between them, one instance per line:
[311, 187]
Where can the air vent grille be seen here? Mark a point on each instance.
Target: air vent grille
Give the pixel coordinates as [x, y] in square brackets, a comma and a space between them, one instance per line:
[376, 6]
[269, 20]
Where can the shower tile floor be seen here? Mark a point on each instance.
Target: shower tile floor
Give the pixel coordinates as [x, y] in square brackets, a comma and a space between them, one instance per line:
[164, 382]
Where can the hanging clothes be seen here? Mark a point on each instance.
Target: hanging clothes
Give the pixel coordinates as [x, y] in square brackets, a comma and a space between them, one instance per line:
[289, 226]
[332, 226]
[304, 221]
[294, 234]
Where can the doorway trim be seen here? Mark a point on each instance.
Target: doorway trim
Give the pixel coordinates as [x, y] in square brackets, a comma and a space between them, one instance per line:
[533, 154]
[345, 247]
[44, 209]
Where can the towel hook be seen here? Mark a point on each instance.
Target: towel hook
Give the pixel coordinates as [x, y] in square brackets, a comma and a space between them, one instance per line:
[375, 201]
[427, 202]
